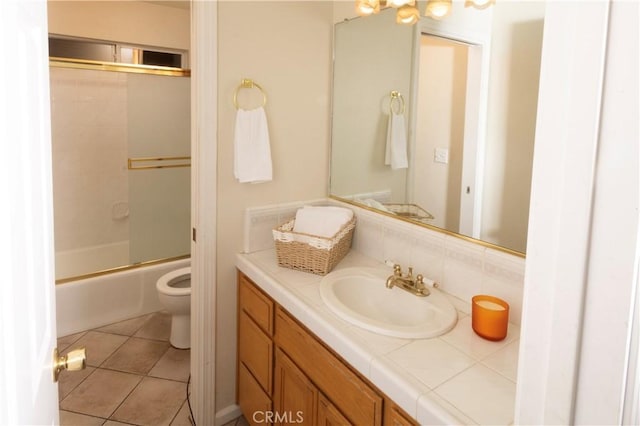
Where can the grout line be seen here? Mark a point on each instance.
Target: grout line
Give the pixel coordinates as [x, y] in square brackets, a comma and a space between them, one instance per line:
[141, 376]
[78, 384]
[125, 398]
[175, 416]
[84, 414]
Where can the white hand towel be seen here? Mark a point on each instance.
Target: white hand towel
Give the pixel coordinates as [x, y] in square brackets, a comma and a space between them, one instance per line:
[396, 152]
[252, 152]
[322, 221]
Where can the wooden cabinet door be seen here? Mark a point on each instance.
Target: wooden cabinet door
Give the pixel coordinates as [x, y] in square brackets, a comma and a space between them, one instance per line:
[395, 416]
[253, 402]
[328, 414]
[295, 397]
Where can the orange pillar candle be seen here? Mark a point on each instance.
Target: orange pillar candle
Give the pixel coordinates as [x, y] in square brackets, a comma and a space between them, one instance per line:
[489, 317]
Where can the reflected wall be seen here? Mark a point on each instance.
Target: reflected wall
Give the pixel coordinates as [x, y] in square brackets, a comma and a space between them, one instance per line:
[374, 58]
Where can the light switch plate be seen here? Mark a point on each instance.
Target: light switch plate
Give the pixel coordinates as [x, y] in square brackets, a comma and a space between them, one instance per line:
[441, 155]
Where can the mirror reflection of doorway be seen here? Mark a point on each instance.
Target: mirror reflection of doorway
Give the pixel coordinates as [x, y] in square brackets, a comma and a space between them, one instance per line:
[446, 135]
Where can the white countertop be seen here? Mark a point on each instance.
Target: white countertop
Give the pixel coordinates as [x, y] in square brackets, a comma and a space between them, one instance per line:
[457, 378]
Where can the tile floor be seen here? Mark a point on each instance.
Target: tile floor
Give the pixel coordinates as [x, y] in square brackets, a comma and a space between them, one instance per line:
[133, 376]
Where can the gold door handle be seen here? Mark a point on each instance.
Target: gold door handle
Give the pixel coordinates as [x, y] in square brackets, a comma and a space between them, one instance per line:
[73, 361]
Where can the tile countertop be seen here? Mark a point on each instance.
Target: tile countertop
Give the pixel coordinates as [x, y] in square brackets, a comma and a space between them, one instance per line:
[457, 378]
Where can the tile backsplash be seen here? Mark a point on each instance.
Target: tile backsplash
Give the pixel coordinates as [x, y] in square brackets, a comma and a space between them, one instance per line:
[462, 268]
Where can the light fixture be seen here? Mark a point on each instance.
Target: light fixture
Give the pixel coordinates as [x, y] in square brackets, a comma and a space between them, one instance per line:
[479, 4]
[407, 15]
[437, 9]
[367, 7]
[407, 10]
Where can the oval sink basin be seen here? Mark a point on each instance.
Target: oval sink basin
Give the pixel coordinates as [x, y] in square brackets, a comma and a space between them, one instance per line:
[359, 296]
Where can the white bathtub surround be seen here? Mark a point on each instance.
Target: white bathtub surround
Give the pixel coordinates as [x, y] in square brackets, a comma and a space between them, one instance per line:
[457, 378]
[85, 260]
[97, 301]
[462, 268]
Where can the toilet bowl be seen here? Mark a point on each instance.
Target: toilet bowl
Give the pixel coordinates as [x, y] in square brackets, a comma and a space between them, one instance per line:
[174, 291]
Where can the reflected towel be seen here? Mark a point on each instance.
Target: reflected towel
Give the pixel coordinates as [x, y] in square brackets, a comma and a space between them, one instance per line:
[321, 221]
[252, 152]
[396, 152]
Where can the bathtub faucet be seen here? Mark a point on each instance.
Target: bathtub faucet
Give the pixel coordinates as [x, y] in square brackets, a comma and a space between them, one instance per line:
[407, 282]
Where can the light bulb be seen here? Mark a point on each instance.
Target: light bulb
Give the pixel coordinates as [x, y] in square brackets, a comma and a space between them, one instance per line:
[437, 9]
[367, 7]
[400, 3]
[407, 15]
[479, 4]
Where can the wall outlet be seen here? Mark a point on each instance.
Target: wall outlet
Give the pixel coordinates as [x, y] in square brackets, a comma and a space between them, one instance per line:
[441, 155]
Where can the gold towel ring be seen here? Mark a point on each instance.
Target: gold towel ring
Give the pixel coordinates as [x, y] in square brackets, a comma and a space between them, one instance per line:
[396, 96]
[247, 83]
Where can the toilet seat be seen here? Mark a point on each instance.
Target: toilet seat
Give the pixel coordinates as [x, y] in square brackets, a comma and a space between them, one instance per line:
[163, 285]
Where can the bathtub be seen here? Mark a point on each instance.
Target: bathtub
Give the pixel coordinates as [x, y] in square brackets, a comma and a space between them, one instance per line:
[85, 260]
[97, 301]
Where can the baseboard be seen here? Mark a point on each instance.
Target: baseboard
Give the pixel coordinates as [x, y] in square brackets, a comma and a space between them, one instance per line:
[228, 414]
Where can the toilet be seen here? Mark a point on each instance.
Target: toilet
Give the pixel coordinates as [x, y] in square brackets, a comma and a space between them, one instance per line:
[174, 291]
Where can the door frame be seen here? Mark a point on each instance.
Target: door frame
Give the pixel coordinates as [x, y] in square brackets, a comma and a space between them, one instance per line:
[204, 95]
[478, 38]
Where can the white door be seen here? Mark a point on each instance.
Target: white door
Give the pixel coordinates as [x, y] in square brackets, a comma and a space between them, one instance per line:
[472, 158]
[27, 295]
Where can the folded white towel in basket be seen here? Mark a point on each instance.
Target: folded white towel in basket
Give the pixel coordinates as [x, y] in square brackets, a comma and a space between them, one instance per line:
[322, 221]
[252, 152]
[396, 150]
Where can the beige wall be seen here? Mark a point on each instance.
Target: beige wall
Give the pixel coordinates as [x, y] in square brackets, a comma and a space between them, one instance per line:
[123, 21]
[286, 47]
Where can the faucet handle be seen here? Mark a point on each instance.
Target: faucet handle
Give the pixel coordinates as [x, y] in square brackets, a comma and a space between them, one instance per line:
[397, 270]
[410, 273]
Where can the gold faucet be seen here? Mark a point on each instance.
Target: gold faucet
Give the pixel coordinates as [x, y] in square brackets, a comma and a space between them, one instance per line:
[407, 282]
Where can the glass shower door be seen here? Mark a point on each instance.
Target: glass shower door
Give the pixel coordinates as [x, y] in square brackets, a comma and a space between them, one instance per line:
[158, 125]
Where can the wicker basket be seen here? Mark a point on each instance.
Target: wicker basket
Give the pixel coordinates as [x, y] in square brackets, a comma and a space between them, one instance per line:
[311, 253]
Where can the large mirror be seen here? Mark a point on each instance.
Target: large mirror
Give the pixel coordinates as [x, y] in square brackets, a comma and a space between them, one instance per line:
[463, 92]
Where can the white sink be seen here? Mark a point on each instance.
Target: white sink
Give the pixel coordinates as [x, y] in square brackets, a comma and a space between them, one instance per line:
[359, 296]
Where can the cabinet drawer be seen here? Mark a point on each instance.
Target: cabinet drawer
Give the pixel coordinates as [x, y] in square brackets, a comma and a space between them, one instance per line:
[255, 351]
[359, 403]
[256, 304]
[252, 400]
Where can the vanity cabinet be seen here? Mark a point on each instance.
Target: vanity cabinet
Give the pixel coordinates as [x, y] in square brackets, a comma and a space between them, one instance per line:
[284, 370]
[255, 350]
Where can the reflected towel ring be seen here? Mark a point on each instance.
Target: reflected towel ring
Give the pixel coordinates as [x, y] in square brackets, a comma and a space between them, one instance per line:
[247, 83]
[396, 96]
